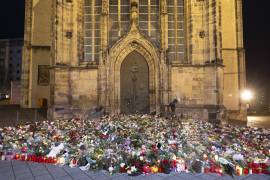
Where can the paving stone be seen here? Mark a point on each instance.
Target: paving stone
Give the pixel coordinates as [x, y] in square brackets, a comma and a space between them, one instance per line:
[51, 166]
[36, 166]
[89, 173]
[226, 177]
[5, 163]
[75, 173]
[186, 176]
[173, 178]
[121, 177]
[18, 163]
[57, 173]
[155, 177]
[64, 178]
[7, 175]
[258, 177]
[40, 172]
[24, 176]
[5, 169]
[140, 177]
[44, 177]
[206, 177]
[21, 170]
[73, 170]
[84, 178]
[100, 176]
[164, 175]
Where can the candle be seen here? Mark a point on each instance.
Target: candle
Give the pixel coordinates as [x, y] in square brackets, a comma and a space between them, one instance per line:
[17, 156]
[154, 169]
[216, 157]
[23, 157]
[239, 170]
[3, 157]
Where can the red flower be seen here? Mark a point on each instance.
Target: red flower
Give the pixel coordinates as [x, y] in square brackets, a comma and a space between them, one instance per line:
[165, 161]
[246, 171]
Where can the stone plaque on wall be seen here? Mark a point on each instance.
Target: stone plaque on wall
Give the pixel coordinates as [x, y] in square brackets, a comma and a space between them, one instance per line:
[43, 75]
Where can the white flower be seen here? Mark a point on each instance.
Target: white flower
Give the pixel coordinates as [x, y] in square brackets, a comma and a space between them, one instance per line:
[238, 157]
[122, 165]
[111, 169]
[133, 169]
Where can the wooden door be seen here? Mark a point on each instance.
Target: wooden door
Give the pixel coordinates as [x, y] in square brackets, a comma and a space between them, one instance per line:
[134, 90]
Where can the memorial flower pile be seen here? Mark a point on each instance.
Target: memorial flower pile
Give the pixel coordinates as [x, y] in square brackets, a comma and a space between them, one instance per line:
[137, 144]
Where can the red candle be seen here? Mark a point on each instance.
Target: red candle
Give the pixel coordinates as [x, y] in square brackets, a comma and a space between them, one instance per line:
[146, 169]
[17, 156]
[23, 157]
[34, 158]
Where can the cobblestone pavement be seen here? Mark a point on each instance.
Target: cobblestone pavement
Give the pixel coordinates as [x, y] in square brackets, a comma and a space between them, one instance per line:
[20, 170]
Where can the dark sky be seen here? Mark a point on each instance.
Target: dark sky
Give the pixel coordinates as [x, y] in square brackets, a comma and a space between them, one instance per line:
[256, 36]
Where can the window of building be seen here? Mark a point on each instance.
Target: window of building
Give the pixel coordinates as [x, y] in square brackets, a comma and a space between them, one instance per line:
[43, 75]
[149, 19]
[119, 19]
[92, 37]
[176, 33]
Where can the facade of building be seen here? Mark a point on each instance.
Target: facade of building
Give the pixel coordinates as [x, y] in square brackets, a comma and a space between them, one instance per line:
[10, 62]
[134, 55]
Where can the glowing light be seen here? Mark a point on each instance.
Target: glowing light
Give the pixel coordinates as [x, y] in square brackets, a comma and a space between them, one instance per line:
[246, 95]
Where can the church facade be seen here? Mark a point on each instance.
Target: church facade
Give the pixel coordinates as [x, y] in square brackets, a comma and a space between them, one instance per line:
[134, 55]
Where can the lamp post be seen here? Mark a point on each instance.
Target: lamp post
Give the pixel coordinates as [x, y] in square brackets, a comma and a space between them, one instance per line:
[247, 96]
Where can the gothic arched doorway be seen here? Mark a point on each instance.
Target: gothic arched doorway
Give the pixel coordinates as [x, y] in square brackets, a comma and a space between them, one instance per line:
[134, 92]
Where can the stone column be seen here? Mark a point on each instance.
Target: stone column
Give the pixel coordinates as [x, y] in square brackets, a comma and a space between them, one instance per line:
[197, 31]
[63, 55]
[240, 56]
[103, 62]
[165, 67]
[240, 44]
[163, 25]
[25, 99]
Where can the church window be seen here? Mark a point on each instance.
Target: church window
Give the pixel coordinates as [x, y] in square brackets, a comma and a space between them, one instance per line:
[119, 19]
[176, 33]
[149, 19]
[92, 12]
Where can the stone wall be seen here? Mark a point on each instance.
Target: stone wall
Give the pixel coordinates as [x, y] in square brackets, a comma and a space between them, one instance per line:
[197, 85]
[84, 88]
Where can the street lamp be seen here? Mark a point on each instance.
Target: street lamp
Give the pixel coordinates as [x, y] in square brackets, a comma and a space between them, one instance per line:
[246, 95]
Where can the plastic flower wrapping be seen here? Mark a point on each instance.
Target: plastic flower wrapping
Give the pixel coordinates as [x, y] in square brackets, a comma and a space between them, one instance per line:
[136, 144]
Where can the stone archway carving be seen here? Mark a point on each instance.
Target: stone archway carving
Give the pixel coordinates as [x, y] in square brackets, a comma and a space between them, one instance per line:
[134, 41]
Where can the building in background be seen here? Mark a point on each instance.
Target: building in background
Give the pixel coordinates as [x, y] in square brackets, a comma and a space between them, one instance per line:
[10, 62]
[135, 56]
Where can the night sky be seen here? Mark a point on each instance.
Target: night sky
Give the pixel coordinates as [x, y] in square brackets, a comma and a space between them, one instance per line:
[256, 36]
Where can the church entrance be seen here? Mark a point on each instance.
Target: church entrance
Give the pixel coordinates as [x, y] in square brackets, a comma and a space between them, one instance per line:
[134, 83]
